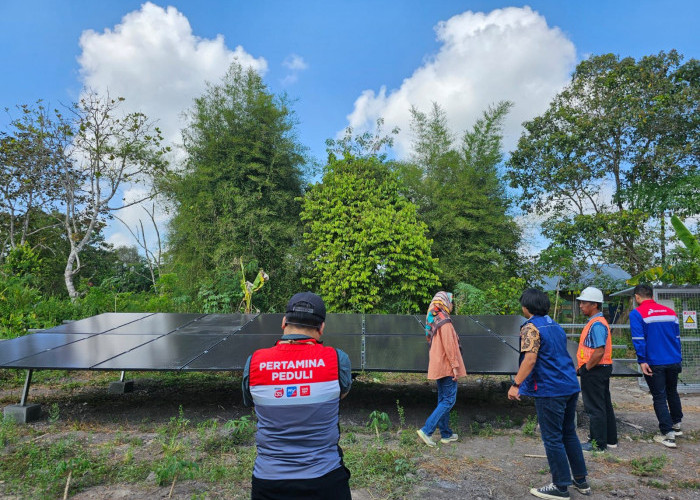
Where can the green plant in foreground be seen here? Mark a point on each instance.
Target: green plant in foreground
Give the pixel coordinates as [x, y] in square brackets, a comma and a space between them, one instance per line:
[379, 421]
[530, 425]
[647, 466]
[402, 416]
[9, 431]
[242, 430]
[54, 413]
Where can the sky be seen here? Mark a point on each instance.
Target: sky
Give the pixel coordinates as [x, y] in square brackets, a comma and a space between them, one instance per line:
[342, 63]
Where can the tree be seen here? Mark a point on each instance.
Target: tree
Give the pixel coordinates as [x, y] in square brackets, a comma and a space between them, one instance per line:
[366, 249]
[108, 151]
[616, 150]
[31, 159]
[238, 195]
[462, 198]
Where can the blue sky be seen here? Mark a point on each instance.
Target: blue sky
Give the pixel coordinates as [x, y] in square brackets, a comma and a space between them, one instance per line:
[343, 62]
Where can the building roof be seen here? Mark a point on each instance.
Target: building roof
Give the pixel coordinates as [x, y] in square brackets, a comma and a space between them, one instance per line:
[611, 274]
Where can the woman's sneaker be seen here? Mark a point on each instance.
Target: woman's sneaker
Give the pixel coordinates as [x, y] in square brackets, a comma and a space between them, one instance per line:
[677, 429]
[668, 440]
[426, 439]
[550, 491]
[454, 437]
[582, 487]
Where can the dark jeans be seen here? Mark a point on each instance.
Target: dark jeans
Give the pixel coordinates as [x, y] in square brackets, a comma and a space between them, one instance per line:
[557, 418]
[595, 390]
[332, 486]
[663, 387]
[440, 418]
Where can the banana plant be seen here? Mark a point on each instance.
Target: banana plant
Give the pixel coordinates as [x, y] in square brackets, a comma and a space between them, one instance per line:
[669, 273]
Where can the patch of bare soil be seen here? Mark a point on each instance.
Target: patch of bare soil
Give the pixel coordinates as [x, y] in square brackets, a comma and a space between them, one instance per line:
[494, 458]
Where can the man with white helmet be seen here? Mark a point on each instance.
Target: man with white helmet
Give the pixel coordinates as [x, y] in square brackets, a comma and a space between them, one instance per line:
[594, 356]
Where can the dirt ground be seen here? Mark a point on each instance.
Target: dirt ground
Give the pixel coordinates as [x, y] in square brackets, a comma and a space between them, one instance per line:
[486, 465]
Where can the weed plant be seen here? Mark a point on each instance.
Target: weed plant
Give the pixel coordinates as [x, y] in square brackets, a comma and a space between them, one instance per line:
[648, 466]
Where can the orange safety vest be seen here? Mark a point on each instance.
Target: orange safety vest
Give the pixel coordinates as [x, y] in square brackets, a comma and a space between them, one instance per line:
[584, 352]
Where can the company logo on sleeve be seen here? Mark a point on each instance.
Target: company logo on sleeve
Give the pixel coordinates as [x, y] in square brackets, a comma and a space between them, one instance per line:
[279, 392]
[292, 391]
[305, 390]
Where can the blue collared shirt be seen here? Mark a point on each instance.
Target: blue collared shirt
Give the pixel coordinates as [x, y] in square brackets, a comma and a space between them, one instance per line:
[598, 334]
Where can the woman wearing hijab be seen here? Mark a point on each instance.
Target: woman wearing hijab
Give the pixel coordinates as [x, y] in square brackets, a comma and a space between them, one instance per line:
[445, 366]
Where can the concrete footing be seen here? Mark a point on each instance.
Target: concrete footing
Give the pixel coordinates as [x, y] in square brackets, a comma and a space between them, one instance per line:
[23, 414]
[121, 387]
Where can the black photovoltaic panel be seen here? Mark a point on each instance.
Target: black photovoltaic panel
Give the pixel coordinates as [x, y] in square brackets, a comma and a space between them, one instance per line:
[343, 324]
[505, 326]
[136, 341]
[29, 345]
[84, 354]
[223, 323]
[393, 324]
[395, 352]
[171, 352]
[99, 324]
[156, 324]
[231, 353]
[264, 324]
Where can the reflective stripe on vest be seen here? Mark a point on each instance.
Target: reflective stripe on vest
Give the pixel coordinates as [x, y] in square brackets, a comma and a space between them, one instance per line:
[585, 352]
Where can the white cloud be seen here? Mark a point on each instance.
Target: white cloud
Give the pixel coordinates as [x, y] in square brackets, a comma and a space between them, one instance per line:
[507, 54]
[159, 66]
[295, 62]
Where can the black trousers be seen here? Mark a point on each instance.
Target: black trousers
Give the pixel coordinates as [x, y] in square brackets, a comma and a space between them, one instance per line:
[595, 389]
[331, 486]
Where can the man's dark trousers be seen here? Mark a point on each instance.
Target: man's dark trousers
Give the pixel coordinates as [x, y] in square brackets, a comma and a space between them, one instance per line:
[595, 389]
[663, 385]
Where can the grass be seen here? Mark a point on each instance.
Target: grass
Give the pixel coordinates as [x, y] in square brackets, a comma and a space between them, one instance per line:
[648, 466]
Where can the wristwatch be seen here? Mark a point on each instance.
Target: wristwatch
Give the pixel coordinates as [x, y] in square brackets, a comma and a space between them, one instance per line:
[517, 386]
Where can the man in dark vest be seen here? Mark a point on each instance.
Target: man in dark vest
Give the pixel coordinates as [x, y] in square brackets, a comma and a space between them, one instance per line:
[594, 356]
[296, 387]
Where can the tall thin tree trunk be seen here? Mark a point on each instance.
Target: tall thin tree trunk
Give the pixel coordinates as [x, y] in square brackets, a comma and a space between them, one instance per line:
[68, 275]
[663, 239]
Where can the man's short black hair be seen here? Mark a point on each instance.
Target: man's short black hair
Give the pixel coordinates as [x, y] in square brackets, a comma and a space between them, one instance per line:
[535, 301]
[644, 291]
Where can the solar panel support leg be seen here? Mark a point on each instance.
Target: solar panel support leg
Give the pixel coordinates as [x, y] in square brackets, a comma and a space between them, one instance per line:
[24, 413]
[25, 391]
[121, 387]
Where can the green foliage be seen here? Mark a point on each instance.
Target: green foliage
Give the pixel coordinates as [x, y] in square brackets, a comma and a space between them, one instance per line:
[530, 425]
[461, 197]
[497, 299]
[366, 249]
[379, 421]
[9, 434]
[648, 466]
[242, 429]
[615, 150]
[238, 194]
[402, 415]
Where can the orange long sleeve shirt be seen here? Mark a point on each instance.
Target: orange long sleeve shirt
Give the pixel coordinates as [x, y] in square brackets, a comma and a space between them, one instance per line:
[445, 354]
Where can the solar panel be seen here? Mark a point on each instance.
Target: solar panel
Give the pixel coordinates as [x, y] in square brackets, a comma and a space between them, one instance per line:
[98, 324]
[83, 354]
[171, 352]
[164, 341]
[393, 324]
[29, 345]
[264, 324]
[156, 324]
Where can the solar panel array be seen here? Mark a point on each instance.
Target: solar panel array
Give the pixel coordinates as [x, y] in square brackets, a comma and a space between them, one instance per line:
[222, 342]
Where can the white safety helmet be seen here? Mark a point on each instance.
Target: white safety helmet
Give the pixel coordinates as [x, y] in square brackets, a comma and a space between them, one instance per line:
[591, 294]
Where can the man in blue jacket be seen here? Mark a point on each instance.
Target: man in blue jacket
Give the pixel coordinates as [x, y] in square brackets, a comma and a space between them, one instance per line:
[657, 339]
